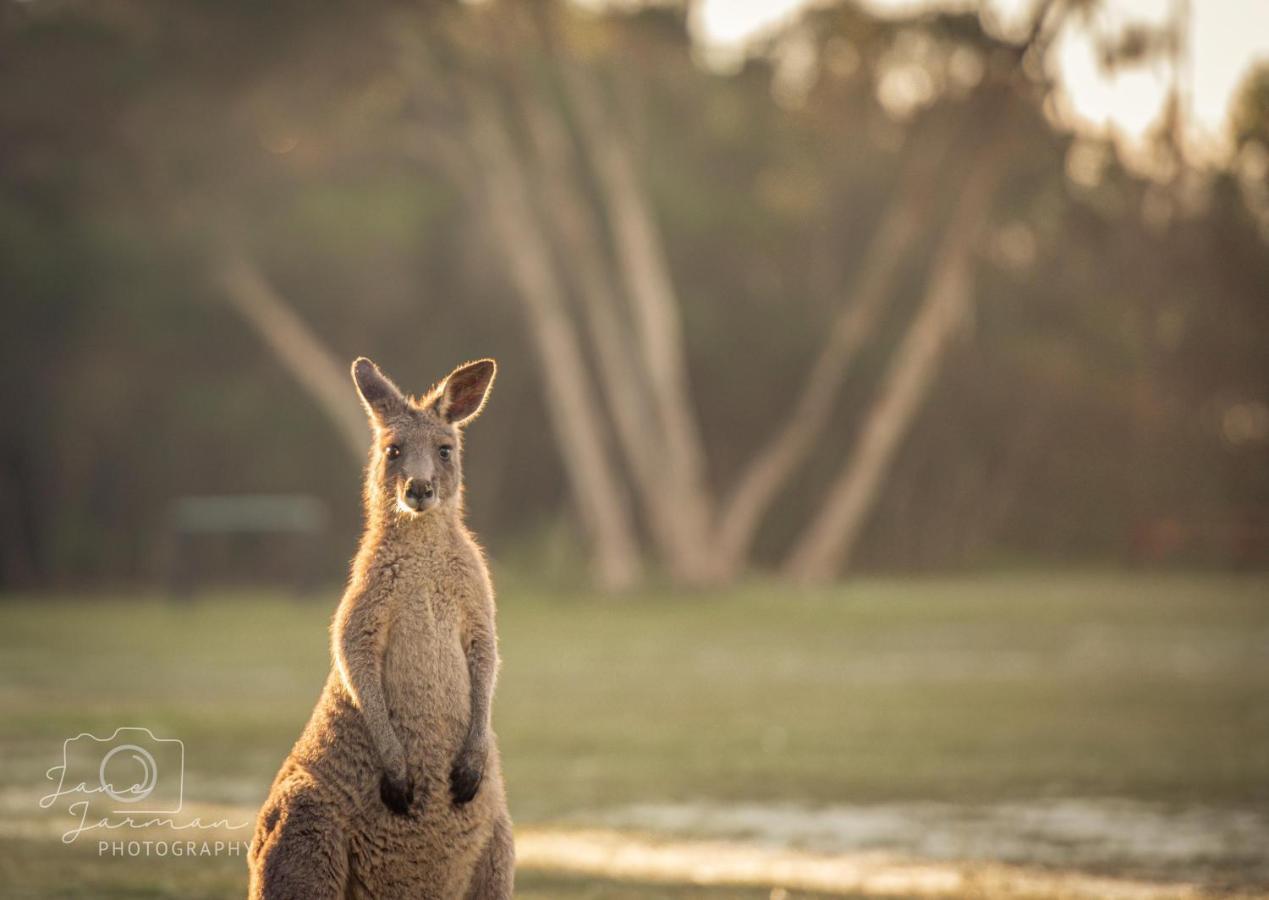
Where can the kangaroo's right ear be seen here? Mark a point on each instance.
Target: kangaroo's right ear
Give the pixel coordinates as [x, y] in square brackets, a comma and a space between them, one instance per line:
[379, 395]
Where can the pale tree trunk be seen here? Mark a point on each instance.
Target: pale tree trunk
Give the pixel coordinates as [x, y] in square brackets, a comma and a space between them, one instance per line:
[792, 441]
[484, 164]
[314, 367]
[827, 543]
[574, 414]
[650, 292]
[570, 219]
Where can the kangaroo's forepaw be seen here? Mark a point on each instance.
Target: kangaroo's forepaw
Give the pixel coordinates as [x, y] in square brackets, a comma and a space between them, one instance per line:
[396, 794]
[465, 778]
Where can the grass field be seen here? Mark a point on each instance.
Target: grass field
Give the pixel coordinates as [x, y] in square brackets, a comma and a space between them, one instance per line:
[665, 713]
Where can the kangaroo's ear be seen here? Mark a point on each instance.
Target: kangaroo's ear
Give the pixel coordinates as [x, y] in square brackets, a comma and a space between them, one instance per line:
[379, 395]
[465, 391]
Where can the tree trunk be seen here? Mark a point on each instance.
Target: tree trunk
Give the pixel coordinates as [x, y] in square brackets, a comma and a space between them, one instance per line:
[317, 370]
[570, 219]
[792, 442]
[826, 545]
[650, 291]
[574, 413]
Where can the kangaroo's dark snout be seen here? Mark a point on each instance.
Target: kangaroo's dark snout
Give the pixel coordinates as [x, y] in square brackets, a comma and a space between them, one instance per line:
[418, 494]
[419, 489]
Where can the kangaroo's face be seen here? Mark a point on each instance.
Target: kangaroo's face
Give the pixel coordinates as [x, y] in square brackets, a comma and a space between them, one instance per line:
[415, 461]
[419, 464]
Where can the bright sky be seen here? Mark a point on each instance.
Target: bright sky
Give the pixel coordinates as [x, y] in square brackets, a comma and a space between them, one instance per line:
[1225, 38]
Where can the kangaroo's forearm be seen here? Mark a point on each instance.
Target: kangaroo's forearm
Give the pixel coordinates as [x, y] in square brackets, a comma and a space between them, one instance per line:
[367, 693]
[482, 669]
[360, 642]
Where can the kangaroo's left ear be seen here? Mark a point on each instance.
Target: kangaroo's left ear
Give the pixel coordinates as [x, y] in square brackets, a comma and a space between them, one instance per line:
[465, 390]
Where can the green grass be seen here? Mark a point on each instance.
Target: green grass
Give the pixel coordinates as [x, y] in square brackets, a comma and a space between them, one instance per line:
[965, 689]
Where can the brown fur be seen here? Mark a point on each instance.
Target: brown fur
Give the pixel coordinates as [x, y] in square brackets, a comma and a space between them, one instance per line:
[404, 718]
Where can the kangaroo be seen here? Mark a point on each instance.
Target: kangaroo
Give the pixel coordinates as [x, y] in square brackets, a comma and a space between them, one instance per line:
[395, 788]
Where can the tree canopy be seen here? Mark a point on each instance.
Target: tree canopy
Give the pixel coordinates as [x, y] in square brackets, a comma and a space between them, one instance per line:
[441, 182]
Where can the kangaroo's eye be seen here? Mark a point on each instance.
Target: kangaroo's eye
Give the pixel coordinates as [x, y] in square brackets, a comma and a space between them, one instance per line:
[445, 451]
[392, 451]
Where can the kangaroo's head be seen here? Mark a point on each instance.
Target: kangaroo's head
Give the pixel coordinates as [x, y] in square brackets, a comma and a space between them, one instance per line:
[416, 459]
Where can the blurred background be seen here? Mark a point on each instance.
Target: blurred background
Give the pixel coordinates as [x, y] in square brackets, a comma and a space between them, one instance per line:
[878, 466]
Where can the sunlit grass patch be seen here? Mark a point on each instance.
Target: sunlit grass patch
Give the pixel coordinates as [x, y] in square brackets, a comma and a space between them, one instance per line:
[964, 691]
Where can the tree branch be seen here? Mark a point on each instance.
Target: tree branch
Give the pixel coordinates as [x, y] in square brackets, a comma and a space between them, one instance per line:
[826, 544]
[792, 442]
[323, 375]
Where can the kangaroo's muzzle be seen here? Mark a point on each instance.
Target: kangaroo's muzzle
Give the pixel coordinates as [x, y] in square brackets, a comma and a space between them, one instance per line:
[418, 495]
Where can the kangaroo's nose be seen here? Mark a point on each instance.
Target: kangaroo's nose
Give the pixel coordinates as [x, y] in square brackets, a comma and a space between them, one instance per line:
[419, 489]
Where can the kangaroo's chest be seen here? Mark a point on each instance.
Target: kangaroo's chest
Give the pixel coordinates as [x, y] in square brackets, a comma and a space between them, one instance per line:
[426, 683]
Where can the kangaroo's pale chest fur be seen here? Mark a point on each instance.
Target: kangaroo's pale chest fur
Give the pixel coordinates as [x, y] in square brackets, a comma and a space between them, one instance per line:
[425, 674]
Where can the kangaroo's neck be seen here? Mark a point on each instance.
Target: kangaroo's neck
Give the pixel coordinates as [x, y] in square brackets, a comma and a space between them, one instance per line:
[395, 535]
